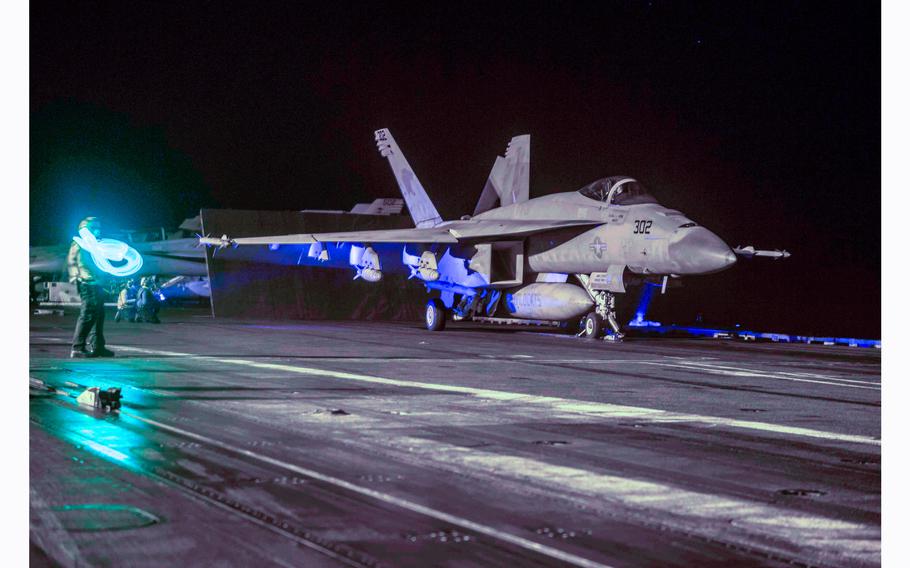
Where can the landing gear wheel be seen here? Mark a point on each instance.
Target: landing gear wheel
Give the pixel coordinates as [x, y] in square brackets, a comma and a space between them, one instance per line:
[592, 325]
[435, 318]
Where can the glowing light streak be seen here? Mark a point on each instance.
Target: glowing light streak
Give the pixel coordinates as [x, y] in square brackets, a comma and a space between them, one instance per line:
[105, 252]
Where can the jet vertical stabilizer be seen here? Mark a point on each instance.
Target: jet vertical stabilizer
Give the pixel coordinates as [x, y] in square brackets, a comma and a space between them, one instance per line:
[419, 205]
[508, 180]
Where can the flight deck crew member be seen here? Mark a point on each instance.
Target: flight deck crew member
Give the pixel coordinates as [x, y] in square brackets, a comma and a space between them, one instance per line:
[126, 301]
[87, 277]
[147, 304]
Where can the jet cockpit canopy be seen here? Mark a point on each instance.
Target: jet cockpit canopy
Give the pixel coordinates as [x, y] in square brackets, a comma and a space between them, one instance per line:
[617, 190]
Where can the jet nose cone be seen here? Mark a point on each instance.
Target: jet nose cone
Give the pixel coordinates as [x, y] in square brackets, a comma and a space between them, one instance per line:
[699, 251]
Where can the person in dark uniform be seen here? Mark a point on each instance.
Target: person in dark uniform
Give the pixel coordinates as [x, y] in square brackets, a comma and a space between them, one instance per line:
[87, 277]
[126, 301]
[147, 304]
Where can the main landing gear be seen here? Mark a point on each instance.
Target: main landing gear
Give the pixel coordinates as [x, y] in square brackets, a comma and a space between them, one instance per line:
[435, 318]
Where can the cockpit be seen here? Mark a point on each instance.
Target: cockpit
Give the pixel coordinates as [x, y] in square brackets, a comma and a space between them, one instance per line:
[617, 190]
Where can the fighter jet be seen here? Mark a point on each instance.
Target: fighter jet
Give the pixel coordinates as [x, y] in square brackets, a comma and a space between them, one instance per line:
[557, 259]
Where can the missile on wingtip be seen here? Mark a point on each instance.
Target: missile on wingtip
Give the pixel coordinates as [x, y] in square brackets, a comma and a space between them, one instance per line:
[751, 251]
[222, 242]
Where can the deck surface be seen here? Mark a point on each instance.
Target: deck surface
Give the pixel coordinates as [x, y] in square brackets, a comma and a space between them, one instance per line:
[251, 443]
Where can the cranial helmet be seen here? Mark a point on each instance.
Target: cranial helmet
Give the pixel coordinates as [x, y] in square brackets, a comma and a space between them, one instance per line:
[93, 224]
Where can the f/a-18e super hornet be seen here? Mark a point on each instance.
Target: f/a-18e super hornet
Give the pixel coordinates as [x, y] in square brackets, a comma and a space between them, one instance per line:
[560, 258]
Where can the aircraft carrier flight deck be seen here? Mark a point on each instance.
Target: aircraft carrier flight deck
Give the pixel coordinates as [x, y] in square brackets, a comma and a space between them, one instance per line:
[255, 443]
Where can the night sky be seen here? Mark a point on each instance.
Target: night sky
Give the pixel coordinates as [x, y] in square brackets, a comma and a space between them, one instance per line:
[760, 120]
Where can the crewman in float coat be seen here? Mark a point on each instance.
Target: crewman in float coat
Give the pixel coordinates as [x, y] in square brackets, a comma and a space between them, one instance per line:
[85, 274]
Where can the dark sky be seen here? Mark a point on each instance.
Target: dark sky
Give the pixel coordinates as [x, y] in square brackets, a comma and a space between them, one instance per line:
[760, 120]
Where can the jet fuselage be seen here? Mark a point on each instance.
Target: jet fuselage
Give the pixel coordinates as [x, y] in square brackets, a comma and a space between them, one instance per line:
[648, 238]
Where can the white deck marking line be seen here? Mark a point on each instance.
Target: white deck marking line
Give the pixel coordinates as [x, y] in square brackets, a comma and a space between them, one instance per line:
[877, 383]
[452, 360]
[387, 498]
[754, 373]
[589, 408]
[784, 375]
[802, 375]
[718, 369]
[726, 518]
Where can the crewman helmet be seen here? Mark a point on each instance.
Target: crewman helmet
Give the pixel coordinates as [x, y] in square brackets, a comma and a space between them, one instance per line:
[93, 224]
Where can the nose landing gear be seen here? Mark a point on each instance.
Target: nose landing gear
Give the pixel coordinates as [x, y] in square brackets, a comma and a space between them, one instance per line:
[602, 321]
[591, 326]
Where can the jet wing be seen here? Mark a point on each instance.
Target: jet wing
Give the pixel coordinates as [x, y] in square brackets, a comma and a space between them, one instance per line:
[507, 228]
[432, 235]
[451, 232]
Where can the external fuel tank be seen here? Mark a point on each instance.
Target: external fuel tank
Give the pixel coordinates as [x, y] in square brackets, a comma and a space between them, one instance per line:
[548, 301]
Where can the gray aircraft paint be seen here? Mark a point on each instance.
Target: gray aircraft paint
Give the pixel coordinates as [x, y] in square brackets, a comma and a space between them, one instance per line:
[508, 182]
[548, 302]
[590, 234]
[419, 205]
